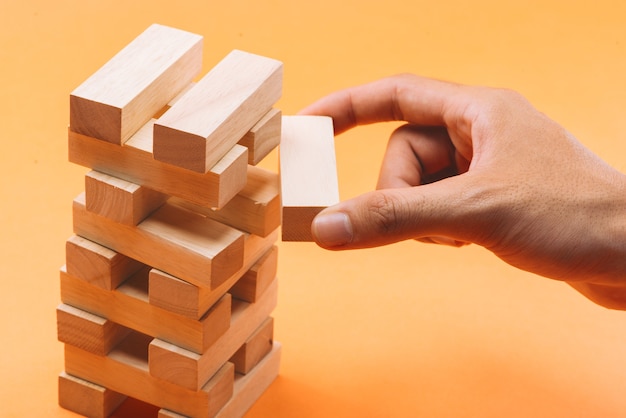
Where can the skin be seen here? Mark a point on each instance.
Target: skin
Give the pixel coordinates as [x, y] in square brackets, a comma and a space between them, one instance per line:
[481, 165]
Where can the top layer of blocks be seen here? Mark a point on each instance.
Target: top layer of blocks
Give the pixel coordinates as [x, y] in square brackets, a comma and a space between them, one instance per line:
[203, 125]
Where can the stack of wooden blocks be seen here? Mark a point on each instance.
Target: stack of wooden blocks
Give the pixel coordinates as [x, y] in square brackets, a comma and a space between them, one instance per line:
[170, 280]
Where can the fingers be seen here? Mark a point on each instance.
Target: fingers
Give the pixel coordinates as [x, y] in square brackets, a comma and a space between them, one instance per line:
[387, 216]
[414, 99]
[416, 155]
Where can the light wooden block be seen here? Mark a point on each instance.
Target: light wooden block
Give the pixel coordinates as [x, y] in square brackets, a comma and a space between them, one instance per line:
[263, 137]
[248, 388]
[173, 294]
[256, 280]
[86, 398]
[96, 264]
[125, 370]
[128, 306]
[182, 243]
[164, 413]
[129, 89]
[120, 200]
[255, 348]
[134, 162]
[255, 209]
[191, 370]
[88, 331]
[308, 173]
[217, 112]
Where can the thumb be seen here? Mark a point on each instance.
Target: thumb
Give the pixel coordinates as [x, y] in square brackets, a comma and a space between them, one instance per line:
[386, 216]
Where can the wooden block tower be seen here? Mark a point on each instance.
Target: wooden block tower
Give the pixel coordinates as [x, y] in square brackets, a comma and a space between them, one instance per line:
[170, 278]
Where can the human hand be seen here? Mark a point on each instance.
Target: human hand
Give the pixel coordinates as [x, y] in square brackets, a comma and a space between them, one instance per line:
[480, 165]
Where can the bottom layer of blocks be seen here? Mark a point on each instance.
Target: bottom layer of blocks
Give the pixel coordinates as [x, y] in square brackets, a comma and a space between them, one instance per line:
[95, 385]
[229, 393]
[122, 341]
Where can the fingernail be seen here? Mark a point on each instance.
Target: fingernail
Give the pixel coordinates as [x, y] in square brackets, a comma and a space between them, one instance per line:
[332, 229]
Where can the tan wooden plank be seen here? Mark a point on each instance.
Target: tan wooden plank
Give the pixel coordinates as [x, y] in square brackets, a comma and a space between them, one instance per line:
[263, 137]
[129, 89]
[134, 162]
[173, 294]
[128, 306]
[86, 398]
[308, 173]
[96, 264]
[217, 112]
[255, 348]
[257, 279]
[88, 331]
[125, 370]
[120, 200]
[191, 370]
[248, 388]
[182, 243]
[255, 209]
[164, 413]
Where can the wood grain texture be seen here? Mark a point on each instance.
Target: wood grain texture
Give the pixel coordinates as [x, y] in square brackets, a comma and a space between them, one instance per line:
[182, 243]
[308, 173]
[96, 264]
[191, 370]
[255, 209]
[128, 306]
[120, 200]
[134, 162]
[125, 371]
[258, 278]
[173, 294]
[86, 398]
[87, 331]
[255, 348]
[248, 388]
[263, 137]
[129, 89]
[217, 111]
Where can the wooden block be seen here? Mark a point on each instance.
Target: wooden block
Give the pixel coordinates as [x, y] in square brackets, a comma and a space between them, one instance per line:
[255, 348]
[191, 370]
[263, 137]
[164, 413]
[248, 388]
[96, 264]
[217, 112]
[127, 91]
[134, 162]
[128, 306]
[255, 209]
[256, 280]
[182, 243]
[260, 140]
[88, 331]
[173, 294]
[125, 370]
[86, 398]
[120, 200]
[308, 173]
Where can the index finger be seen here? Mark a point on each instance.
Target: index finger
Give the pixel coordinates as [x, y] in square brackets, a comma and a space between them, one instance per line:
[406, 97]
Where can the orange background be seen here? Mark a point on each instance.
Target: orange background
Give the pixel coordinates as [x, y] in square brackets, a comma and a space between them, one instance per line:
[407, 330]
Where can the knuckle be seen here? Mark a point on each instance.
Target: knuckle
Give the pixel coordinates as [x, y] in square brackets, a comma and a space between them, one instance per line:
[385, 213]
